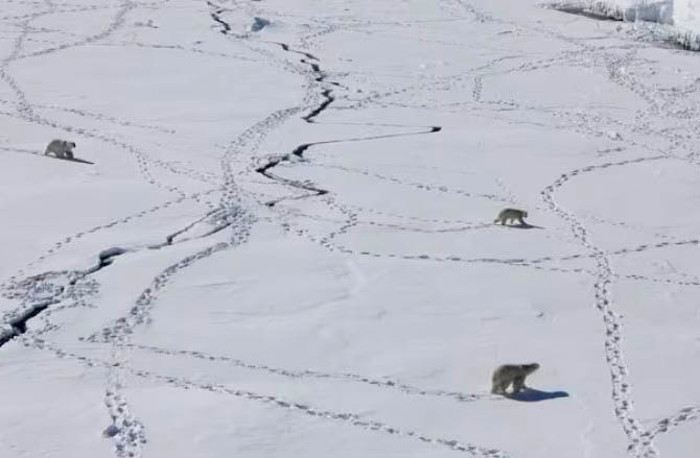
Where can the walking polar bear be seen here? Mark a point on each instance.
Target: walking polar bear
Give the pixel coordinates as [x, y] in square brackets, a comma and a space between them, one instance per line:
[62, 149]
[511, 214]
[506, 374]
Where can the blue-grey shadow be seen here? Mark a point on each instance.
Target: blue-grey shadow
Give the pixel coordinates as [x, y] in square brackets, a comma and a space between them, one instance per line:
[532, 395]
[72, 159]
[524, 226]
[581, 11]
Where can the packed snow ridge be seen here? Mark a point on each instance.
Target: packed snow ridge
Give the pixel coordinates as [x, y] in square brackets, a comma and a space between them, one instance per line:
[678, 21]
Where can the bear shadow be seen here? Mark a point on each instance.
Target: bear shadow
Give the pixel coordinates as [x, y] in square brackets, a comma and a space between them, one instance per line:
[533, 395]
[524, 226]
[75, 159]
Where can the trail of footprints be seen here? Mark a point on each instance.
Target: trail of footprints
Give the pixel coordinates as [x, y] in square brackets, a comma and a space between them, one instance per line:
[639, 444]
[130, 431]
[456, 226]
[386, 383]
[117, 22]
[414, 184]
[96, 116]
[127, 432]
[684, 415]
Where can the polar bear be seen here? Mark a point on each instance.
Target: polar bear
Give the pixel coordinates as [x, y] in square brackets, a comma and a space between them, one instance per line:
[62, 149]
[506, 374]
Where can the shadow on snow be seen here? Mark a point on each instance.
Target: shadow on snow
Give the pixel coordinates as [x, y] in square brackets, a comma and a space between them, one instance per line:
[532, 395]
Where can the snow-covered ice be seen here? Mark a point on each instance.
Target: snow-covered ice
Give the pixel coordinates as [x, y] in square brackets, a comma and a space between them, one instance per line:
[282, 244]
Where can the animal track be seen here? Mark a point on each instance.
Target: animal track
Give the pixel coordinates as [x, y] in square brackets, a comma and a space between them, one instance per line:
[117, 22]
[106, 118]
[343, 417]
[134, 437]
[410, 183]
[684, 415]
[382, 383]
[621, 393]
[478, 87]
[127, 432]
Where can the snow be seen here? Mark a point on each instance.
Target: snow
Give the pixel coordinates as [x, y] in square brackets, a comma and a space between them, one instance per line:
[284, 245]
[687, 13]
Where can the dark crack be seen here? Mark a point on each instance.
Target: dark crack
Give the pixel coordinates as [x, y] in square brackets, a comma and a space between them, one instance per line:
[216, 16]
[298, 152]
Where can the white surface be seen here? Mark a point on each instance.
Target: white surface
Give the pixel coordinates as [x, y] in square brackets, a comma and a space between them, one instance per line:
[687, 13]
[686, 17]
[364, 322]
